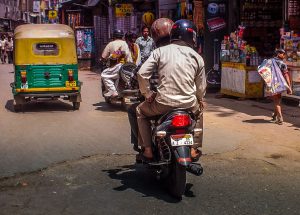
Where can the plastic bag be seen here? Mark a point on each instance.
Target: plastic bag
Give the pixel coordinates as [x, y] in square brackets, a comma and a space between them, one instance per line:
[272, 76]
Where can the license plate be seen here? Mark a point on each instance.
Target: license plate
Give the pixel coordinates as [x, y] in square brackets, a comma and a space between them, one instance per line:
[182, 140]
[70, 83]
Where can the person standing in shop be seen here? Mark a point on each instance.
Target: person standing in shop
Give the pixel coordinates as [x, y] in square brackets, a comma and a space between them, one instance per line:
[146, 44]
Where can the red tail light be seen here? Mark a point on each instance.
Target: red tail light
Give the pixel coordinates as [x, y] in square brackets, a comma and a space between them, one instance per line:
[23, 77]
[70, 75]
[181, 120]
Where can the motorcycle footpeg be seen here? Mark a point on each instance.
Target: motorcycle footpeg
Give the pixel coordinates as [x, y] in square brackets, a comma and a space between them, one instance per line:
[195, 168]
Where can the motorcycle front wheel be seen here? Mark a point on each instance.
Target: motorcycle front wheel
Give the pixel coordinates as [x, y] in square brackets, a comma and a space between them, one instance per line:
[176, 181]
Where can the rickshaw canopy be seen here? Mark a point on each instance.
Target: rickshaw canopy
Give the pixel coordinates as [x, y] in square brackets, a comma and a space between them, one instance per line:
[44, 44]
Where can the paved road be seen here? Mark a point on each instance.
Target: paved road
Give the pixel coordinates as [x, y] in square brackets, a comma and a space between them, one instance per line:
[251, 165]
[51, 132]
[113, 185]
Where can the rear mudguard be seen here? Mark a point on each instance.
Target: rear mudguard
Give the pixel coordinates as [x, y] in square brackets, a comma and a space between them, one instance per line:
[183, 155]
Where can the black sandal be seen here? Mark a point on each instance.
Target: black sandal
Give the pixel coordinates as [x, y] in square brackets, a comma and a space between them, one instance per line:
[136, 148]
[199, 153]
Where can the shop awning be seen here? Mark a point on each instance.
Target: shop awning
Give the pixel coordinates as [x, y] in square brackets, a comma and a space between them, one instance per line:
[87, 3]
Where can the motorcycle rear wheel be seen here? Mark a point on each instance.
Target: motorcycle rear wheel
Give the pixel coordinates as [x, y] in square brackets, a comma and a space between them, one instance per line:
[176, 181]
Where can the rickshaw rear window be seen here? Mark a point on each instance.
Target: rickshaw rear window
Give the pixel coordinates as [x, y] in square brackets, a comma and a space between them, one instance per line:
[45, 49]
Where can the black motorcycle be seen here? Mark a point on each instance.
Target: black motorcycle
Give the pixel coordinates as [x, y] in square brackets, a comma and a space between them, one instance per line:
[127, 87]
[172, 139]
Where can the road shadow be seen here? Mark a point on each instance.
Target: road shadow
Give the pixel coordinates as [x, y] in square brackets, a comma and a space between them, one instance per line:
[142, 180]
[252, 107]
[41, 106]
[105, 107]
[256, 121]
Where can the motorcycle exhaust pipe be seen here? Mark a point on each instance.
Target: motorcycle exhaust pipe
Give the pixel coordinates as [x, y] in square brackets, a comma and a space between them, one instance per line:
[195, 168]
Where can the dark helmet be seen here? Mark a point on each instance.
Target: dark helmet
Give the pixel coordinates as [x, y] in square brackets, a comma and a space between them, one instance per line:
[118, 34]
[130, 37]
[160, 30]
[279, 51]
[186, 31]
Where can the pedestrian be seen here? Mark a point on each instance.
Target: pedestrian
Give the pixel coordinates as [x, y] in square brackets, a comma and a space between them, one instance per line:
[9, 49]
[133, 47]
[275, 74]
[3, 42]
[182, 82]
[146, 44]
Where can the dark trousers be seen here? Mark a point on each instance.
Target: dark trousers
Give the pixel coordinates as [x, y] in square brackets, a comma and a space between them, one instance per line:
[133, 124]
[10, 57]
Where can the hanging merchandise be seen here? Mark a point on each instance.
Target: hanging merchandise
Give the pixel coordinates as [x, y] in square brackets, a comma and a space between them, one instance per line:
[183, 9]
[198, 14]
[216, 12]
[189, 11]
[148, 18]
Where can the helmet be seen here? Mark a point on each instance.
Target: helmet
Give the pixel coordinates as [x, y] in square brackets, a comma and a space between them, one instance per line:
[118, 34]
[186, 31]
[279, 51]
[161, 28]
[130, 36]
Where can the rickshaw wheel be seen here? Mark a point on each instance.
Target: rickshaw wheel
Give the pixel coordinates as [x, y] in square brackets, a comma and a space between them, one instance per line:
[76, 105]
[18, 107]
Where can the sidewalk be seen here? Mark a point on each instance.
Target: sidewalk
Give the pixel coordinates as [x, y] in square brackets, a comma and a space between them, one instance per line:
[242, 129]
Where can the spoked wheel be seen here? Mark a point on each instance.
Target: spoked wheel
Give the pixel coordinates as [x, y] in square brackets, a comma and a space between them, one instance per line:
[76, 105]
[177, 180]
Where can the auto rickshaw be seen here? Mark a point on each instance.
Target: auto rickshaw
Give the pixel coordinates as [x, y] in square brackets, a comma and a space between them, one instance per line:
[45, 63]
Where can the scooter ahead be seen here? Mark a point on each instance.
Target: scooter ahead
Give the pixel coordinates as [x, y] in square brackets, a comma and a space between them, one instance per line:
[172, 139]
[126, 85]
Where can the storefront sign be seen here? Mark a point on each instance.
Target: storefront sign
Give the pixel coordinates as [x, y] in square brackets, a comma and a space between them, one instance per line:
[123, 10]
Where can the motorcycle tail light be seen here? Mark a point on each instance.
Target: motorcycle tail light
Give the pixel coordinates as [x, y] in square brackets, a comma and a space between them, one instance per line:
[181, 120]
[23, 76]
[70, 75]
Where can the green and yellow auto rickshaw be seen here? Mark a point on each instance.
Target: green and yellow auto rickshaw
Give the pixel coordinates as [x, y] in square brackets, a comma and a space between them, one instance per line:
[45, 63]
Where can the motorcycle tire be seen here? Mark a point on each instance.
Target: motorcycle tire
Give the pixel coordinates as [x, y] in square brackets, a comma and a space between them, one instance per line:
[176, 181]
[107, 100]
[76, 105]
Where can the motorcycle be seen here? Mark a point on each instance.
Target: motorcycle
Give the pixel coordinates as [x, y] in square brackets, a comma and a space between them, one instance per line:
[172, 140]
[126, 85]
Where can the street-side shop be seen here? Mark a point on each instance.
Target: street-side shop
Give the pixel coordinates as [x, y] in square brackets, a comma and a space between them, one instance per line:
[263, 26]
[89, 20]
[132, 15]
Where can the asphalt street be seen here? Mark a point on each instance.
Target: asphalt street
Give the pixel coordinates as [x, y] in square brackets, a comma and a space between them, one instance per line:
[54, 160]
